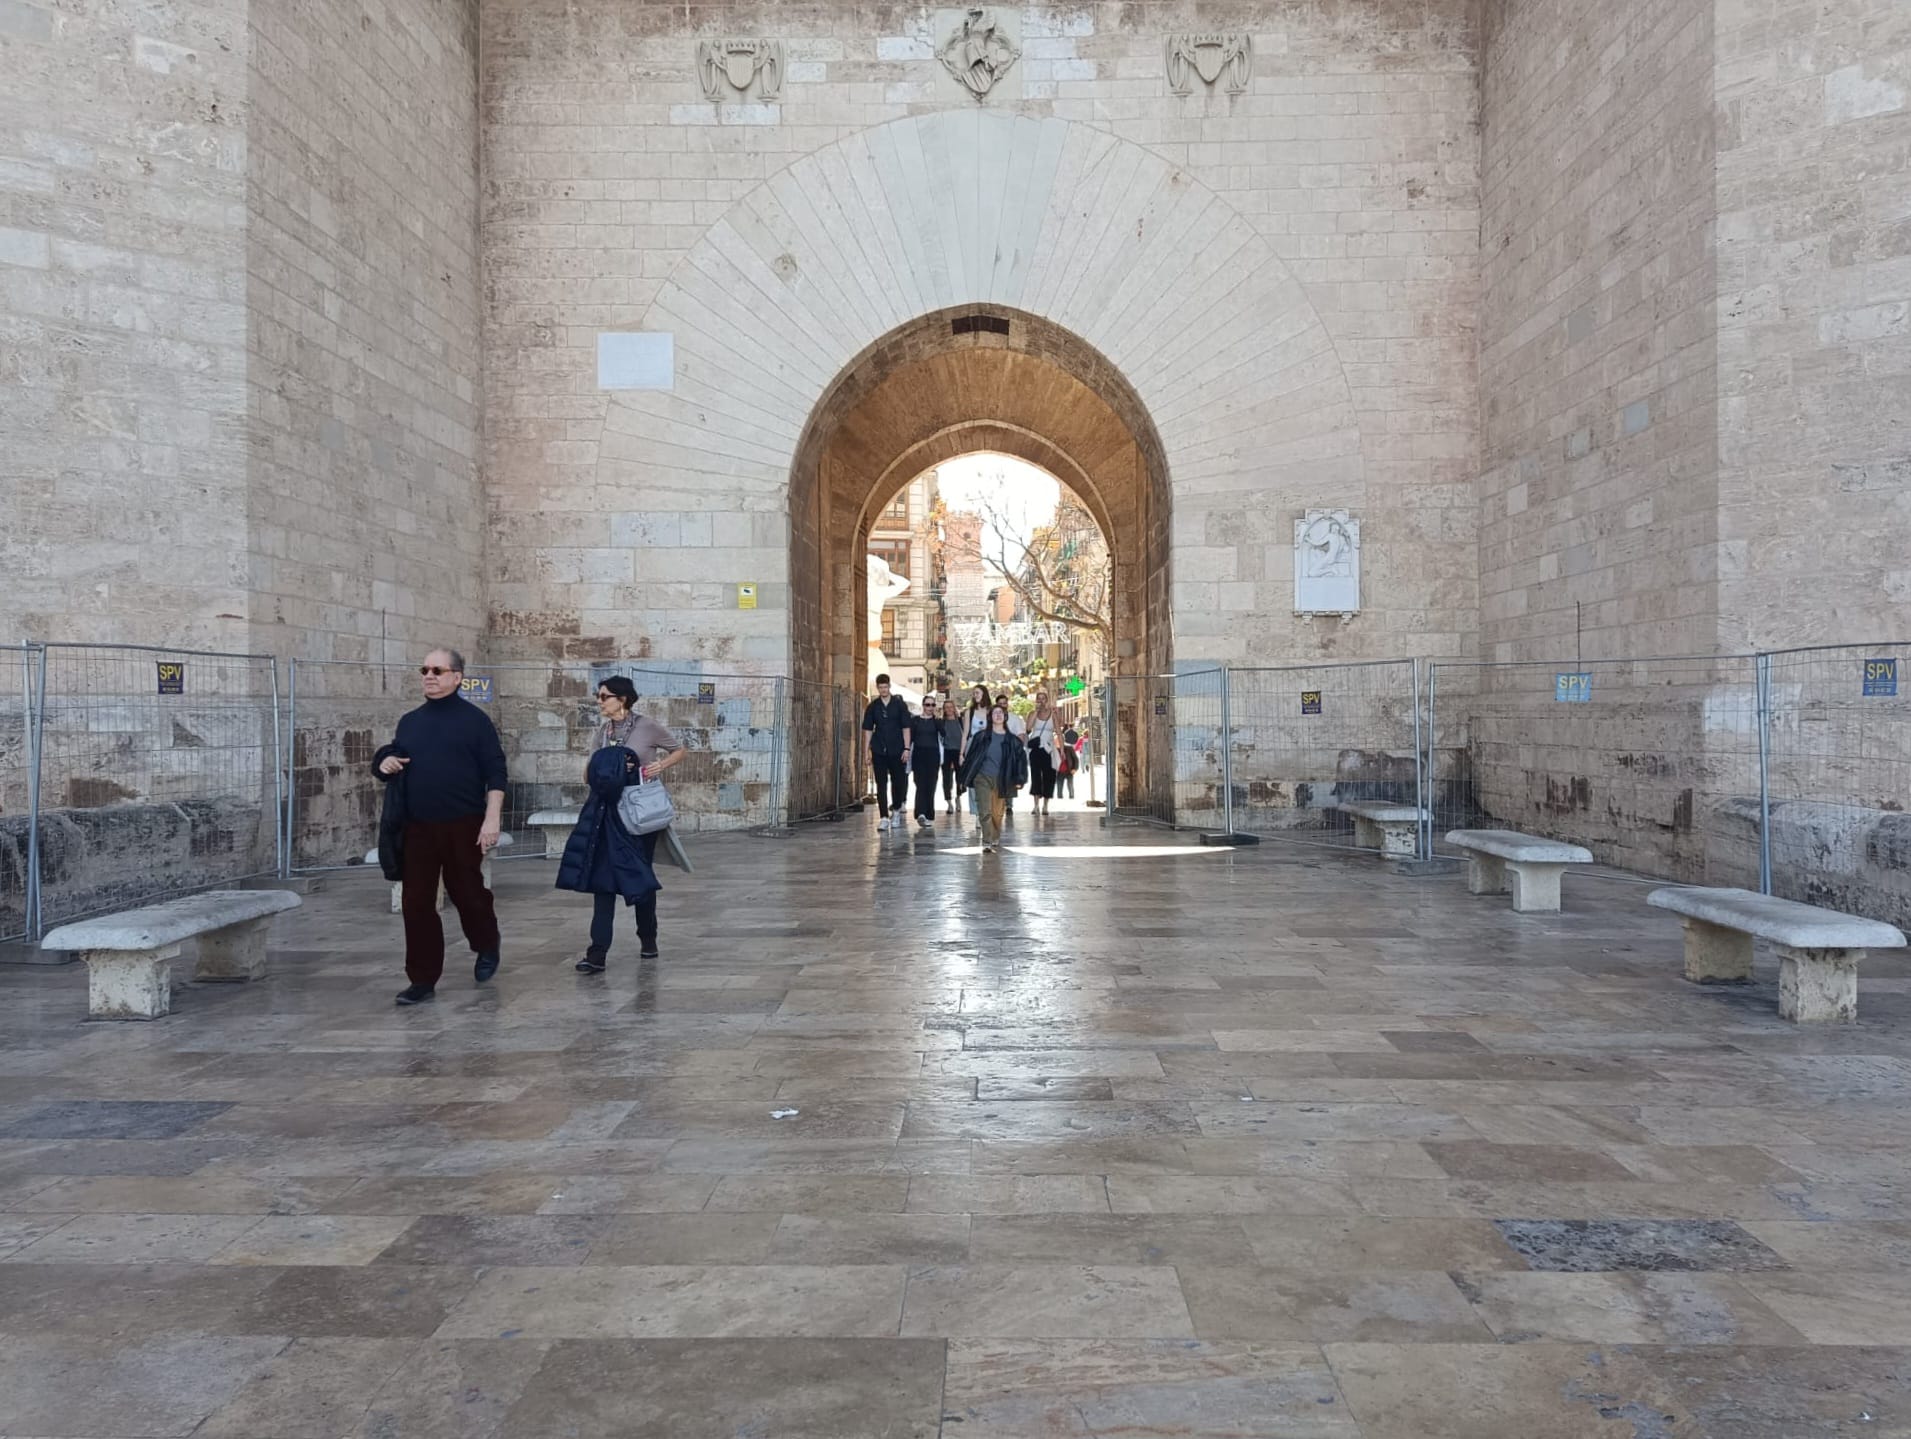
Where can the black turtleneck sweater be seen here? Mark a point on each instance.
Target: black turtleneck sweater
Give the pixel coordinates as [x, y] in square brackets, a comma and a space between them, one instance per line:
[455, 758]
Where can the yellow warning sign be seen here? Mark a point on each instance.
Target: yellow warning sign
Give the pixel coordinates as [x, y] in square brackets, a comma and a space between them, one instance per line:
[746, 597]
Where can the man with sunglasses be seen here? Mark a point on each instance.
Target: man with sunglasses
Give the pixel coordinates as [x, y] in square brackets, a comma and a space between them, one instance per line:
[447, 756]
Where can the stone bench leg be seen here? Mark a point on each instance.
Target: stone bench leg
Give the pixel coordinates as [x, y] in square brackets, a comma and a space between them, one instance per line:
[1399, 841]
[555, 838]
[1485, 874]
[236, 952]
[1818, 986]
[1535, 887]
[1716, 955]
[130, 983]
[1366, 833]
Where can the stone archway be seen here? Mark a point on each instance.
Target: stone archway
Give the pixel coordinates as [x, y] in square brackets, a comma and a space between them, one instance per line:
[1114, 269]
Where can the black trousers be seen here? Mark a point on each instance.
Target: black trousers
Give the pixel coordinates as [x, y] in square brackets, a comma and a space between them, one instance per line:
[892, 778]
[949, 768]
[604, 914]
[447, 848]
[1041, 774]
[926, 777]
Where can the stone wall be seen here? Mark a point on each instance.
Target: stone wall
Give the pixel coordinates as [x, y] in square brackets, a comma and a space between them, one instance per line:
[1814, 303]
[1597, 346]
[364, 504]
[1287, 275]
[122, 321]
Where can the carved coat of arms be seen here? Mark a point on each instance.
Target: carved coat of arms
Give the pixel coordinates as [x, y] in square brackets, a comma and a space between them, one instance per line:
[979, 51]
[739, 64]
[1210, 57]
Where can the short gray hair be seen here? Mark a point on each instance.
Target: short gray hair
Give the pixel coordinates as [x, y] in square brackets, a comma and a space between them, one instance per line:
[456, 658]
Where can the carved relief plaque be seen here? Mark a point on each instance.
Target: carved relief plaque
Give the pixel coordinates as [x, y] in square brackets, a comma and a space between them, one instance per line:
[979, 49]
[1327, 563]
[730, 68]
[1226, 58]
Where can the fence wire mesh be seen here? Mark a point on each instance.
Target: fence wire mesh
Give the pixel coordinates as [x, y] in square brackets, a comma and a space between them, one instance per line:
[735, 727]
[824, 763]
[1306, 738]
[159, 773]
[1169, 751]
[1653, 764]
[18, 672]
[1839, 778]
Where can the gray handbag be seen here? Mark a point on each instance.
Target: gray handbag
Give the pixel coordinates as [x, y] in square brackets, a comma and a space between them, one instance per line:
[645, 807]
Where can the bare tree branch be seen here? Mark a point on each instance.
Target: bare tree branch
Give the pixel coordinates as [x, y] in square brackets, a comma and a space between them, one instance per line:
[1078, 601]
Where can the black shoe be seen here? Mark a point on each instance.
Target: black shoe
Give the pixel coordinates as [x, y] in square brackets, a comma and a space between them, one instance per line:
[649, 951]
[592, 962]
[486, 966]
[417, 994]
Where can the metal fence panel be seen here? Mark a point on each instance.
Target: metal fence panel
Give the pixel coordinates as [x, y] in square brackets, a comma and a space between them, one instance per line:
[735, 726]
[824, 767]
[1653, 764]
[18, 669]
[159, 773]
[1839, 778]
[1305, 738]
[1169, 750]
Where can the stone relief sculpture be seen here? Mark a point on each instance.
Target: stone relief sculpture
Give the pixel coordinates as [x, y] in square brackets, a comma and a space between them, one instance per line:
[728, 68]
[1327, 563]
[979, 51]
[1210, 57]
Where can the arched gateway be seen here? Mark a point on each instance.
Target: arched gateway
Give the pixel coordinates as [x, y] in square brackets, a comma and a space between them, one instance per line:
[969, 280]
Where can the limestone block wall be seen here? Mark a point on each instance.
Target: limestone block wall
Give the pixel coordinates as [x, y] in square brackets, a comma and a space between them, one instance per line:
[1288, 277]
[1814, 305]
[1597, 521]
[364, 506]
[122, 321]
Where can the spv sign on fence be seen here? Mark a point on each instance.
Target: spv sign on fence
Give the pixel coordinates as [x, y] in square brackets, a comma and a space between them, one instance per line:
[1573, 689]
[1881, 679]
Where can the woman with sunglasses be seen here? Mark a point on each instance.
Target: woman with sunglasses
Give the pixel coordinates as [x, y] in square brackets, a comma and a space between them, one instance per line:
[656, 750]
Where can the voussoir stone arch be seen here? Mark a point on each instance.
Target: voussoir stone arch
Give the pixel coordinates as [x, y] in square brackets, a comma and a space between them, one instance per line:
[1103, 238]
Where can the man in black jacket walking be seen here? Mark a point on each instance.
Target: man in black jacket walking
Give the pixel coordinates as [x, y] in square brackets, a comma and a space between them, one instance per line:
[447, 755]
[886, 722]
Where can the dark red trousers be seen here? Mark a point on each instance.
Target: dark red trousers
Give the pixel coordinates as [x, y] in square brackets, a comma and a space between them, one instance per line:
[449, 849]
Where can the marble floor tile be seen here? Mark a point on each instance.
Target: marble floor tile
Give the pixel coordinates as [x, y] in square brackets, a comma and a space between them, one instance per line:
[1828, 1392]
[726, 1388]
[1628, 1308]
[708, 1238]
[106, 1119]
[1829, 1247]
[314, 1239]
[311, 1389]
[682, 1301]
[473, 1240]
[1840, 1308]
[1495, 1391]
[812, 1194]
[1008, 1194]
[1046, 1301]
[871, 1239]
[125, 1385]
[137, 1239]
[1148, 1389]
[1250, 1301]
[451, 1389]
[373, 1301]
[1350, 1243]
[1586, 1245]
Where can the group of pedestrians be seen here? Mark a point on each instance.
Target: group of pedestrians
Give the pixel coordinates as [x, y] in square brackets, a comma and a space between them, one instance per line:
[444, 775]
[987, 752]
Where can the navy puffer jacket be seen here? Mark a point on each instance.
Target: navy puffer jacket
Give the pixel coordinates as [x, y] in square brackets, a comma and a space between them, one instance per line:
[601, 857]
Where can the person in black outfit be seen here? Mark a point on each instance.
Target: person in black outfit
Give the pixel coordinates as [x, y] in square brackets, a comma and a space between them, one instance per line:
[953, 735]
[886, 722]
[925, 761]
[447, 756]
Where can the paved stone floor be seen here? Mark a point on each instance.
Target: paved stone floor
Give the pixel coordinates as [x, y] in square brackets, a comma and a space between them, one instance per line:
[1097, 1139]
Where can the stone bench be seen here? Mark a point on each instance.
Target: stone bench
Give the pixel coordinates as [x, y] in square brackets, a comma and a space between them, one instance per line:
[556, 825]
[1818, 949]
[1499, 861]
[398, 886]
[129, 956]
[1393, 829]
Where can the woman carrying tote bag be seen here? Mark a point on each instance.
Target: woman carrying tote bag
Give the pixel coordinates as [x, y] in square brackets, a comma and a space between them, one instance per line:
[651, 750]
